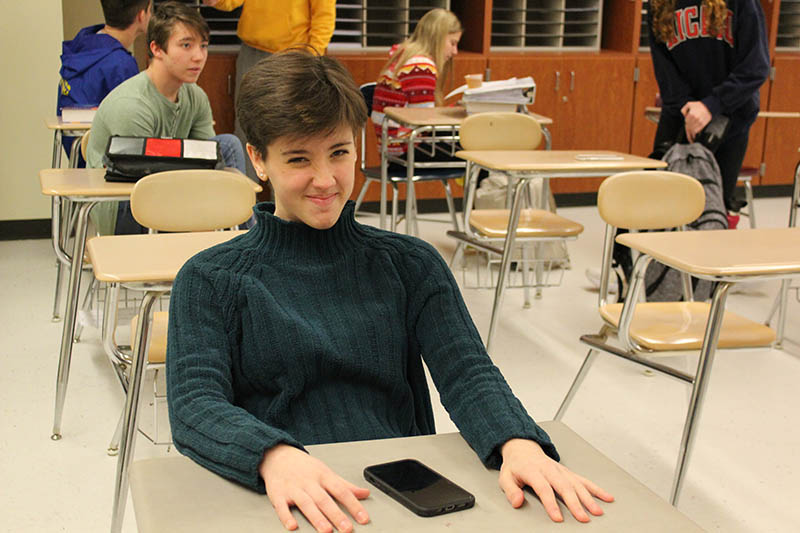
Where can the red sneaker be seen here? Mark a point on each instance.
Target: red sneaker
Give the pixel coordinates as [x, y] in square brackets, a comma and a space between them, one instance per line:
[733, 221]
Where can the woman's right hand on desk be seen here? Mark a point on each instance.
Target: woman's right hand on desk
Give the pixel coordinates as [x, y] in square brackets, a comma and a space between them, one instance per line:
[294, 478]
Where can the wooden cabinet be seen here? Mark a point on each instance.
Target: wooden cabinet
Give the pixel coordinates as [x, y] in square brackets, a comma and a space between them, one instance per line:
[643, 131]
[218, 81]
[573, 90]
[783, 134]
[591, 96]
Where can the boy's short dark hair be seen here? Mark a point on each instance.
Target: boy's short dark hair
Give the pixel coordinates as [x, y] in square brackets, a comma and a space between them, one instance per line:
[166, 16]
[297, 94]
[120, 14]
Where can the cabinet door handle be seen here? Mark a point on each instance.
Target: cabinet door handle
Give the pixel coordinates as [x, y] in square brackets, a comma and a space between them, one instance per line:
[558, 80]
[571, 81]
[230, 88]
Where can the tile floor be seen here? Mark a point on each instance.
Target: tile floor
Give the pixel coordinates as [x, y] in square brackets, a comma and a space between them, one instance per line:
[742, 476]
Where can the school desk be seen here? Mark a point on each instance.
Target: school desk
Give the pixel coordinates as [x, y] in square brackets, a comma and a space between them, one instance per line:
[62, 129]
[440, 121]
[84, 188]
[148, 263]
[523, 165]
[177, 495]
[725, 257]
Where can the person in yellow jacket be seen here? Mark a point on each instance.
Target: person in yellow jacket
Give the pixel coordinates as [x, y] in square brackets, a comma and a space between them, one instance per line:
[269, 26]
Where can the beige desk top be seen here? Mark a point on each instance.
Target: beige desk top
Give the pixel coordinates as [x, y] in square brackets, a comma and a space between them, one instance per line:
[148, 258]
[81, 182]
[174, 494]
[557, 160]
[438, 116]
[88, 182]
[55, 123]
[723, 253]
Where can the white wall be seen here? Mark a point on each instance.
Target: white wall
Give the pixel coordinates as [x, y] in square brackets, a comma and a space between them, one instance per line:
[31, 32]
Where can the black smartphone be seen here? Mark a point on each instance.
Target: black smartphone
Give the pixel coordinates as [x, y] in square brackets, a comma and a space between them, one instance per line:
[419, 488]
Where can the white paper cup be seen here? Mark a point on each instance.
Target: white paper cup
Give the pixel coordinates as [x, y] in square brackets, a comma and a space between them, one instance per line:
[474, 80]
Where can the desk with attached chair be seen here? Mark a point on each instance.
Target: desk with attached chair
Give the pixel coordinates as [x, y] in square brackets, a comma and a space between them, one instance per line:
[524, 165]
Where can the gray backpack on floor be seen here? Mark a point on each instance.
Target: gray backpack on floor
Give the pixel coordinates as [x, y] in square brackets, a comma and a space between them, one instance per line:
[664, 284]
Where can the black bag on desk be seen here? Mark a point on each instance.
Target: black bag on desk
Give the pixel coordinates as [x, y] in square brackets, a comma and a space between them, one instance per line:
[128, 159]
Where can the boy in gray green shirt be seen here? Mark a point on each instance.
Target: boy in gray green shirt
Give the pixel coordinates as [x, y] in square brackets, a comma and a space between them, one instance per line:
[162, 101]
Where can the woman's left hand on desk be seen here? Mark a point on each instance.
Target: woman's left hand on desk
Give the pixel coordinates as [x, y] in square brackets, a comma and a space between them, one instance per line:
[524, 463]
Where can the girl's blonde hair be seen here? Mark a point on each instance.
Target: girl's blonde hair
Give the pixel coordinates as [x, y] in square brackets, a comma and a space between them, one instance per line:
[428, 39]
[662, 14]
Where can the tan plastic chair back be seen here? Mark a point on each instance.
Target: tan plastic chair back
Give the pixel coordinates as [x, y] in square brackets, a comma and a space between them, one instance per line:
[85, 144]
[500, 131]
[650, 200]
[192, 200]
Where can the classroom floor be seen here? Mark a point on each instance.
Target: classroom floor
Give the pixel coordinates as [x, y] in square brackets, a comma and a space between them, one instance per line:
[742, 476]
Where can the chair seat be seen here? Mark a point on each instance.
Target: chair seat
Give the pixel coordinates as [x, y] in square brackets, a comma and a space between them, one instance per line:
[424, 174]
[157, 352]
[493, 223]
[664, 326]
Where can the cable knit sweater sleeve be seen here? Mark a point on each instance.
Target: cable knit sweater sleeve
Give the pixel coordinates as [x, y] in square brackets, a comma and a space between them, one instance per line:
[293, 335]
[203, 414]
[471, 387]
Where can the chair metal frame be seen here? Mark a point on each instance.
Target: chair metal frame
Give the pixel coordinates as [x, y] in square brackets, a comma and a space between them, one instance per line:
[746, 179]
[673, 210]
[442, 171]
[68, 214]
[782, 299]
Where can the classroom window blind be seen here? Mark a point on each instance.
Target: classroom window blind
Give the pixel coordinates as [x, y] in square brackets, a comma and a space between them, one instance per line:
[560, 24]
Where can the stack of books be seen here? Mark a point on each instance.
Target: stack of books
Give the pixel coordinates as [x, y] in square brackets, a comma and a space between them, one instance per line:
[78, 114]
[503, 95]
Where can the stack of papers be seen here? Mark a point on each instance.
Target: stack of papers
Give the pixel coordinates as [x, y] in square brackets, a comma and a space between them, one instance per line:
[503, 95]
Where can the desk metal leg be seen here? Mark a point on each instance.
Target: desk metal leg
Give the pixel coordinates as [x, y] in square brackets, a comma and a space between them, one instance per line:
[56, 163]
[411, 220]
[505, 263]
[781, 303]
[58, 236]
[65, 356]
[384, 172]
[702, 376]
[548, 139]
[783, 295]
[130, 424]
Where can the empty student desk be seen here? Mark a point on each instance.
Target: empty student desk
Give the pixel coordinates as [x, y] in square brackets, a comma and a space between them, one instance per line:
[62, 129]
[84, 187]
[174, 494]
[726, 257]
[148, 263]
[422, 120]
[523, 165]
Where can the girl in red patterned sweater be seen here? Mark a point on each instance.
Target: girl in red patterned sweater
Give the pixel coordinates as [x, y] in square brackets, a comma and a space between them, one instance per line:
[417, 71]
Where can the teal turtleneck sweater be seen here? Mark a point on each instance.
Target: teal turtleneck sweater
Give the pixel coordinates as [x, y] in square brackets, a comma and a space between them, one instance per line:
[293, 335]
